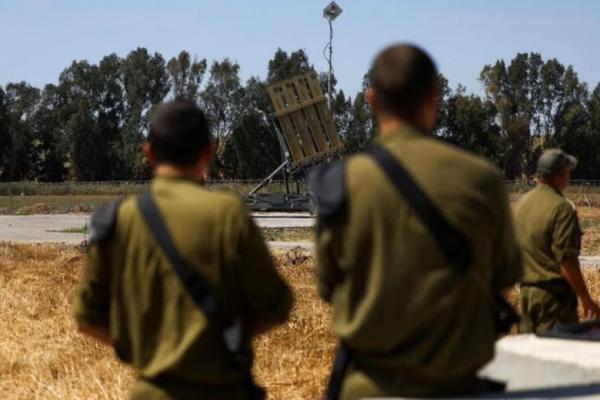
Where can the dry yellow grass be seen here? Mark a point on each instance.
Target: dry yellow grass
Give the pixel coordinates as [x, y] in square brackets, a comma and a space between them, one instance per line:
[590, 222]
[42, 356]
[293, 362]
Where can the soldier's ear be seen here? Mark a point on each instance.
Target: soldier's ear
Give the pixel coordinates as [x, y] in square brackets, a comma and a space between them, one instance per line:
[206, 157]
[207, 153]
[371, 99]
[433, 97]
[148, 154]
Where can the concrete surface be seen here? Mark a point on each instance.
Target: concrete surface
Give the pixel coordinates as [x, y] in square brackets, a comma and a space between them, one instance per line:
[47, 228]
[42, 228]
[281, 220]
[590, 260]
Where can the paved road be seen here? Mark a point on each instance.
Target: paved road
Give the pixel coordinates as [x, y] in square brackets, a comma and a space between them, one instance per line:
[50, 228]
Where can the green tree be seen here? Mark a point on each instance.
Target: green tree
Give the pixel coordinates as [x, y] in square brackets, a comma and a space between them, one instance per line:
[250, 152]
[594, 113]
[186, 75]
[285, 66]
[110, 114]
[469, 123]
[504, 89]
[223, 103]
[341, 109]
[89, 153]
[594, 107]
[253, 150]
[50, 149]
[574, 124]
[361, 128]
[88, 148]
[575, 136]
[146, 84]
[21, 101]
[5, 139]
[444, 93]
[529, 96]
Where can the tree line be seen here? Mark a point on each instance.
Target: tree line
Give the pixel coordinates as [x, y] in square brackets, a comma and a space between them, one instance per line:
[90, 124]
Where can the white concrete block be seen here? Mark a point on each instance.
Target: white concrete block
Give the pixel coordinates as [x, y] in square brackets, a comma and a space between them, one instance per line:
[526, 361]
[537, 368]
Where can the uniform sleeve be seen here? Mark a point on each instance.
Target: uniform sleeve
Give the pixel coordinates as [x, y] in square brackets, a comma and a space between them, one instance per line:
[508, 267]
[91, 300]
[326, 268]
[566, 236]
[267, 296]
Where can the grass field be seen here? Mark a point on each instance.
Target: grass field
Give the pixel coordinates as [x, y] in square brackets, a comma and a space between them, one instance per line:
[43, 357]
[23, 198]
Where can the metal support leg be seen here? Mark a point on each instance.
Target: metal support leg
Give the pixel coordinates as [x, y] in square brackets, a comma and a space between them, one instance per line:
[268, 178]
[286, 181]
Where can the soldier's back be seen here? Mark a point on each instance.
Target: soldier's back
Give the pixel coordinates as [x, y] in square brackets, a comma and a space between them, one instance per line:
[403, 308]
[536, 213]
[156, 326]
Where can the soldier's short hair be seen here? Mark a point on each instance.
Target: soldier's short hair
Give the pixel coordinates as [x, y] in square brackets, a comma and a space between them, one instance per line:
[179, 132]
[403, 75]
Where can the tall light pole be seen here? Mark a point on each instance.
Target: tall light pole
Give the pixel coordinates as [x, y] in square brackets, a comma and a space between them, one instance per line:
[331, 12]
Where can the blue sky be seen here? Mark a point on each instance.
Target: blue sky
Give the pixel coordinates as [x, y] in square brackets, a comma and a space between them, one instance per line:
[38, 38]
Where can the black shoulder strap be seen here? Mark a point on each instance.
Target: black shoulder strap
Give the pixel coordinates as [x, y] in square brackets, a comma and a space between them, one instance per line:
[453, 243]
[198, 288]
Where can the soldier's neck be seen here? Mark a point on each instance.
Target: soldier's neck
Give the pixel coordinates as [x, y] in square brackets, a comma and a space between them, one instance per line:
[194, 173]
[388, 124]
[551, 183]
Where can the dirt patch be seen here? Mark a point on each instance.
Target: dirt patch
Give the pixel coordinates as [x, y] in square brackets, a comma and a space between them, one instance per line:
[39, 208]
[72, 204]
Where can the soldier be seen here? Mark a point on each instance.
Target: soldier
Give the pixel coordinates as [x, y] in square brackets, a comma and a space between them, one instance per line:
[548, 229]
[179, 280]
[414, 244]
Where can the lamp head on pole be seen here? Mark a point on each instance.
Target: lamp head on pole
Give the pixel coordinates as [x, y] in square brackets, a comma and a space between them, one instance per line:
[332, 11]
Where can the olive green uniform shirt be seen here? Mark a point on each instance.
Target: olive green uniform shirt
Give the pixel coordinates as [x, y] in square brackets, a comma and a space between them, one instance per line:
[130, 287]
[548, 229]
[409, 317]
